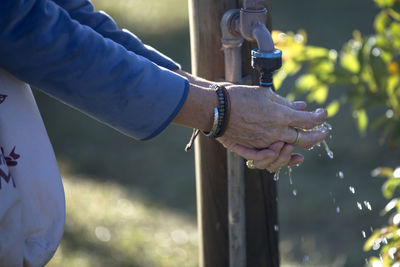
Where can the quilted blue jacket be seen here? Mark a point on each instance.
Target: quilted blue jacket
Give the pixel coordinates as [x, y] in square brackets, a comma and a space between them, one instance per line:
[80, 57]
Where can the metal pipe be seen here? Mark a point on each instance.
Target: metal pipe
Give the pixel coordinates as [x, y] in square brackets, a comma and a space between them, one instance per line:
[252, 25]
[232, 43]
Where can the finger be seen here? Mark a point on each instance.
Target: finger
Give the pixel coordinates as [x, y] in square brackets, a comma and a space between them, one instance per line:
[307, 139]
[297, 105]
[282, 160]
[296, 159]
[248, 153]
[263, 163]
[304, 119]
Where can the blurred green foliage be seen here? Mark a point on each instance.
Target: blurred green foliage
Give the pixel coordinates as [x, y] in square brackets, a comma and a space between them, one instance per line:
[368, 67]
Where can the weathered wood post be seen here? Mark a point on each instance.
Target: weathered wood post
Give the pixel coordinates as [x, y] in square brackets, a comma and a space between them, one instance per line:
[210, 156]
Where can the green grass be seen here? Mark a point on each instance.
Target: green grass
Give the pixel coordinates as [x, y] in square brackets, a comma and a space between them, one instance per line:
[110, 226]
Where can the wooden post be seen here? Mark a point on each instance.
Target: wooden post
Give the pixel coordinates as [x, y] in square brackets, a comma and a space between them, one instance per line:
[210, 156]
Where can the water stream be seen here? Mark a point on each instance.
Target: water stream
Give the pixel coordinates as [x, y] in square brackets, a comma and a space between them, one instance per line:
[360, 204]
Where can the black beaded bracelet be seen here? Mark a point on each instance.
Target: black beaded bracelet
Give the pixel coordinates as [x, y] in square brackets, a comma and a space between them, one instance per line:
[221, 116]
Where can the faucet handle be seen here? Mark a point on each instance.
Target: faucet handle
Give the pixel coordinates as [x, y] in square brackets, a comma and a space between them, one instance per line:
[253, 4]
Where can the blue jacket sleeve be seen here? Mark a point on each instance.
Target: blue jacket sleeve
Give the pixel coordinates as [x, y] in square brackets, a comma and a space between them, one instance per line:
[40, 44]
[83, 12]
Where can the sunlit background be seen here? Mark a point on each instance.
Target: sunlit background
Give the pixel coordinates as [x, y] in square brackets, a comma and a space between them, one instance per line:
[132, 203]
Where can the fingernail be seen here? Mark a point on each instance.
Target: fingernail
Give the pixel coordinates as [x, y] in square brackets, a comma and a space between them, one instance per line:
[299, 104]
[319, 110]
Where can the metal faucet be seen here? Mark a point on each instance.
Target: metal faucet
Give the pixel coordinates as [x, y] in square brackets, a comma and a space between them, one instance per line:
[248, 23]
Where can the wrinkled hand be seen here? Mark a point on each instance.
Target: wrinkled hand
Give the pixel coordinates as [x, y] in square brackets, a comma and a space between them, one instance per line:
[259, 118]
[272, 158]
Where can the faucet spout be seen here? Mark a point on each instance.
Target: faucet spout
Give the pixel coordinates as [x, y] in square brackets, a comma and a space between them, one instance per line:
[263, 37]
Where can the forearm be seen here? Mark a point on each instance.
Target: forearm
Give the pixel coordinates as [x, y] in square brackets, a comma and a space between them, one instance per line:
[198, 110]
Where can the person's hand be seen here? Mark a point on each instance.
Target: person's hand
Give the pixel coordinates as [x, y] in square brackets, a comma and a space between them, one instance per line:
[272, 158]
[259, 118]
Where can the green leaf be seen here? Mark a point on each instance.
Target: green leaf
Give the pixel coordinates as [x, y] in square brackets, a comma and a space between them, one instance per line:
[390, 187]
[318, 94]
[350, 62]
[362, 121]
[383, 172]
[379, 68]
[378, 122]
[384, 3]
[391, 205]
[371, 240]
[314, 52]
[333, 108]
[306, 82]
[381, 21]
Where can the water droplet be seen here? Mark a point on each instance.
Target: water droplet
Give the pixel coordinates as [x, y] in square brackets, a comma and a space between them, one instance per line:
[384, 241]
[276, 176]
[371, 229]
[334, 200]
[340, 174]
[328, 126]
[352, 190]
[337, 209]
[359, 205]
[276, 228]
[328, 151]
[294, 192]
[367, 205]
[290, 175]
[364, 234]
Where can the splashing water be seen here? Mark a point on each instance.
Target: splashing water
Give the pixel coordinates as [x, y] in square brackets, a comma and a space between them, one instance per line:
[294, 192]
[327, 149]
[337, 209]
[328, 126]
[276, 228]
[276, 175]
[290, 175]
[352, 189]
[359, 205]
[364, 234]
[367, 205]
[340, 174]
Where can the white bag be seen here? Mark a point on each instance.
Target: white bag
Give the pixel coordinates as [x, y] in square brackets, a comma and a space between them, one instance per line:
[32, 203]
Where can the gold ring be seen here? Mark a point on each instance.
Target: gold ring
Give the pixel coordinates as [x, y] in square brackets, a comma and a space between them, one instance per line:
[250, 164]
[297, 141]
